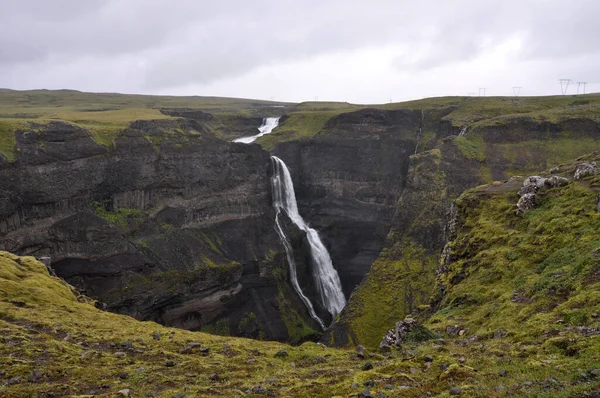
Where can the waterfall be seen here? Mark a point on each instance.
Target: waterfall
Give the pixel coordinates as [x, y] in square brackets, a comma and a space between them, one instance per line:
[326, 277]
[269, 123]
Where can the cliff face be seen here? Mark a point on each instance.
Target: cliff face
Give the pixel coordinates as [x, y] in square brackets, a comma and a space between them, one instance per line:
[401, 280]
[170, 224]
[348, 179]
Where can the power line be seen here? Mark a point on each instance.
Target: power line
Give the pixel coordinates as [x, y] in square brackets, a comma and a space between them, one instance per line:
[564, 85]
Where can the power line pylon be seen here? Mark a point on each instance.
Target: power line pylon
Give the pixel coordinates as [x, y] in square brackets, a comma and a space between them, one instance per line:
[564, 85]
[579, 84]
[516, 91]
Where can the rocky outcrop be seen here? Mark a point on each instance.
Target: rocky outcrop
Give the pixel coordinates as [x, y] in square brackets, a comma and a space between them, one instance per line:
[171, 224]
[407, 330]
[585, 169]
[531, 186]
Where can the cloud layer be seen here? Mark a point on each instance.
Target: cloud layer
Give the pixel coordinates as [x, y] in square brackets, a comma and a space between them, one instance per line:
[337, 49]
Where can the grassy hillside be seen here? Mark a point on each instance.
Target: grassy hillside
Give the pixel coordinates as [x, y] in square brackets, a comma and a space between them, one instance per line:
[524, 290]
[105, 114]
[309, 119]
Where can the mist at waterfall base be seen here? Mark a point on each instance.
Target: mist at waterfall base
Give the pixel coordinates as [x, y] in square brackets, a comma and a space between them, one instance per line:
[325, 276]
[269, 123]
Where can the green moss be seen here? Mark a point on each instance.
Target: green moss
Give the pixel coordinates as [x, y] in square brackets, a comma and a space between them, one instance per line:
[8, 141]
[45, 327]
[469, 149]
[124, 219]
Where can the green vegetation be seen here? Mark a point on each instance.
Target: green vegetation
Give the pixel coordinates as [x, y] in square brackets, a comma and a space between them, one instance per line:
[127, 220]
[469, 149]
[106, 115]
[299, 125]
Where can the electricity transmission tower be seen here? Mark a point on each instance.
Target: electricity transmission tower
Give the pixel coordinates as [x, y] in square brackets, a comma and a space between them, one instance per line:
[579, 84]
[516, 91]
[471, 94]
[564, 85]
[482, 90]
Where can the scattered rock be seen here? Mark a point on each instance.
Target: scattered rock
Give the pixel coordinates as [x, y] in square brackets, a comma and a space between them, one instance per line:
[462, 360]
[532, 184]
[402, 331]
[14, 380]
[189, 348]
[554, 170]
[214, 377]
[259, 390]
[594, 372]
[281, 354]
[125, 392]
[502, 373]
[403, 388]
[123, 375]
[428, 358]
[272, 380]
[170, 364]
[120, 354]
[500, 333]
[35, 376]
[597, 210]
[354, 385]
[360, 348]
[251, 361]
[381, 394]
[527, 383]
[389, 386]
[204, 351]
[453, 330]
[585, 169]
[365, 394]
[526, 202]
[156, 335]
[369, 383]
[367, 366]
[556, 181]
[455, 391]
[178, 396]
[444, 366]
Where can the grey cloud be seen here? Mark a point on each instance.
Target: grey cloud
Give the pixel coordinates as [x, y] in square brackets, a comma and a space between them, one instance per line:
[166, 45]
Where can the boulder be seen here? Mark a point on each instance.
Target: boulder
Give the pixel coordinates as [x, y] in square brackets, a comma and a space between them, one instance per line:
[585, 169]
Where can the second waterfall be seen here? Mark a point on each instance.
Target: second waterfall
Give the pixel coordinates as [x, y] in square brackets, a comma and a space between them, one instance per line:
[325, 276]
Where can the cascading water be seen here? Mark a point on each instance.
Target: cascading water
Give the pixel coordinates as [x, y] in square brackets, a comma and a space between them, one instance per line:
[326, 277]
[269, 123]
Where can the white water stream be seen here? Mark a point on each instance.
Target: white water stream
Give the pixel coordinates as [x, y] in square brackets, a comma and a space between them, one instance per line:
[269, 123]
[325, 276]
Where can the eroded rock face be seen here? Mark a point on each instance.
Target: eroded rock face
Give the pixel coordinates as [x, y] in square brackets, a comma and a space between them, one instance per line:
[167, 226]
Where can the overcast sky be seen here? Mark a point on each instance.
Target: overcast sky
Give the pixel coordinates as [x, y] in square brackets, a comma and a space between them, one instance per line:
[297, 50]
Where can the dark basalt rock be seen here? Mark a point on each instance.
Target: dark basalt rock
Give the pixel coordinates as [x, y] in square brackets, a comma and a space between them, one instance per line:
[171, 224]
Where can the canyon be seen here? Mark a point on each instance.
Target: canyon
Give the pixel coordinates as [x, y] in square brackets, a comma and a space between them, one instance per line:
[172, 222]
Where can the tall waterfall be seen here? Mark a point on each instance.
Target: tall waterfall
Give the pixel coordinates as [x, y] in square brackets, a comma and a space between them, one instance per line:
[269, 123]
[325, 276]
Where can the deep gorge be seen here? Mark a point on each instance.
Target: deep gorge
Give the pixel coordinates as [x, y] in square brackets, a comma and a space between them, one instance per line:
[178, 227]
